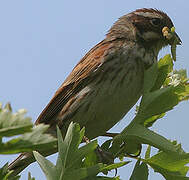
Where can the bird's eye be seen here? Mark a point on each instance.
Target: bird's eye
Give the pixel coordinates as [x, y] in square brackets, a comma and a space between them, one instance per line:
[155, 21]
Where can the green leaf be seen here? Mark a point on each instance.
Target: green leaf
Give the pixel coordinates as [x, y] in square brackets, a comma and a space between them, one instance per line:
[150, 76]
[48, 168]
[148, 151]
[29, 177]
[70, 143]
[76, 155]
[170, 162]
[88, 152]
[93, 170]
[169, 175]
[14, 124]
[71, 163]
[182, 92]
[83, 172]
[105, 146]
[150, 121]
[60, 166]
[35, 140]
[165, 66]
[103, 178]
[155, 78]
[169, 165]
[156, 102]
[140, 171]
[90, 160]
[115, 166]
[139, 134]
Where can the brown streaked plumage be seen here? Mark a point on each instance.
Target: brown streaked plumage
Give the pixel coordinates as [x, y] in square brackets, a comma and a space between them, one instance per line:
[108, 80]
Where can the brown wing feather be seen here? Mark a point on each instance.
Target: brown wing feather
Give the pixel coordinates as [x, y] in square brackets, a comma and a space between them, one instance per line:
[72, 84]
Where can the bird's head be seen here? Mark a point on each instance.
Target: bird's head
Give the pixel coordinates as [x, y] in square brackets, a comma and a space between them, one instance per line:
[150, 27]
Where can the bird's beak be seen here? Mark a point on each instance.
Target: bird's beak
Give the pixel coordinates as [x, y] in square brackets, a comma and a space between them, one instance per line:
[171, 36]
[177, 38]
[173, 39]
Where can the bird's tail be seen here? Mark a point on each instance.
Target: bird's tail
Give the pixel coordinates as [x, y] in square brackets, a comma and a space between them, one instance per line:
[25, 159]
[20, 163]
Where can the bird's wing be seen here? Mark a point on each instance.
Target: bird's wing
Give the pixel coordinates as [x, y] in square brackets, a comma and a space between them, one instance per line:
[74, 82]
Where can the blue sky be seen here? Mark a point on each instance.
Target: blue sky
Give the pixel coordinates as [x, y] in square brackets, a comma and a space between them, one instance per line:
[41, 41]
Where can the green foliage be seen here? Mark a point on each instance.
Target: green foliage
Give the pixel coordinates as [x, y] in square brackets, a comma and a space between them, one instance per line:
[29, 177]
[140, 171]
[164, 88]
[13, 124]
[172, 167]
[71, 159]
[32, 138]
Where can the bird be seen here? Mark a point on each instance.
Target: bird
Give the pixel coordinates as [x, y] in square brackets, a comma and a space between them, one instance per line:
[108, 81]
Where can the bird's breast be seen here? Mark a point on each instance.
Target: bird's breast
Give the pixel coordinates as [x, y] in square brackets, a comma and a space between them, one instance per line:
[116, 88]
